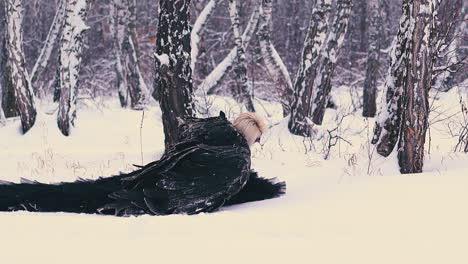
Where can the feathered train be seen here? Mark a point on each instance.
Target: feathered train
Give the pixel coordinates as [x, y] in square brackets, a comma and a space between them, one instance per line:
[209, 167]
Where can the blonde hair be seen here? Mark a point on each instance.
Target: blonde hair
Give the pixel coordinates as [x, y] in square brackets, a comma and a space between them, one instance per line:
[251, 126]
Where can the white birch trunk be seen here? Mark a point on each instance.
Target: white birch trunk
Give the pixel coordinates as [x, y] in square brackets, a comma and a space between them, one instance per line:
[300, 123]
[211, 82]
[131, 86]
[71, 47]
[242, 93]
[335, 39]
[198, 28]
[54, 32]
[387, 122]
[273, 62]
[415, 105]
[18, 75]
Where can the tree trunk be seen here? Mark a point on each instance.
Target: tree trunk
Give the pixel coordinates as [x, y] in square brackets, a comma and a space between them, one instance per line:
[198, 26]
[172, 62]
[242, 93]
[18, 76]
[299, 123]
[415, 105]
[404, 115]
[322, 83]
[373, 54]
[387, 125]
[129, 80]
[44, 56]
[211, 82]
[70, 54]
[8, 93]
[273, 62]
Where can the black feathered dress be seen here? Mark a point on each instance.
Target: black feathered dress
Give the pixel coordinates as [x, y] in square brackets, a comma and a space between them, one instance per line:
[209, 167]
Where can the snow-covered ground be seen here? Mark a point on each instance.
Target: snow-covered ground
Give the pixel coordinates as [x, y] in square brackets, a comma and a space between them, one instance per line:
[354, 207]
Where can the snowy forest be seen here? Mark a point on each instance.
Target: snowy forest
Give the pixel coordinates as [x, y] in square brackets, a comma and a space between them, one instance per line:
[366, 104]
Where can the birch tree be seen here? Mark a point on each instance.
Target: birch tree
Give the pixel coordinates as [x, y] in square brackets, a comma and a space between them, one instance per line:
[242, 93]
[172, 66]
[373, 53]
[17, 75]
[197, 29]
[212, 81]
[46, 51]
[411, 110]
[273, 62]
[322, 82]
[130, 82]
[70, 55]
[299, 123]
[416, 100]
[388, 120]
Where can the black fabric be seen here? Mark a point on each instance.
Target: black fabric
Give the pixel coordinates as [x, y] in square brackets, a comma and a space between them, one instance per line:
[207, 168]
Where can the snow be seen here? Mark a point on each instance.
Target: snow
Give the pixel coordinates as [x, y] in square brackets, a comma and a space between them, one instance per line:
[354, 207]
[162, 58]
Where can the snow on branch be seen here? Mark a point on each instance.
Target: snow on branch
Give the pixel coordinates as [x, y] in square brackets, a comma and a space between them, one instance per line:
[216, 76]
[197, 29]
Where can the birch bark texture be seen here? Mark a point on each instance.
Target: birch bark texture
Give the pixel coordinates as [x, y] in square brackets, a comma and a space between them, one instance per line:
[405, 111]
[273, 62]
[70, 55]
[416, 100]
[132, 89]
[17, 76]
[242, 92]
[300, 123]
[335, 39]
[46, 51]
[387, 125]
[172, 66]
[197, 29]
[212, 81]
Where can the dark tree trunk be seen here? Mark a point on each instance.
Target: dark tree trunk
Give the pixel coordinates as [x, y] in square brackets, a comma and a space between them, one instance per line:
[419, 76]
[322, 83]
[373, 54]
[172, 63]
[17, 76]
[8, 92]
[299, 123]
[406, 109]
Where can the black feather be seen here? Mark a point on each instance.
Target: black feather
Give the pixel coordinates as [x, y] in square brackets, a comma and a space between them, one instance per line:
[208, 168]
